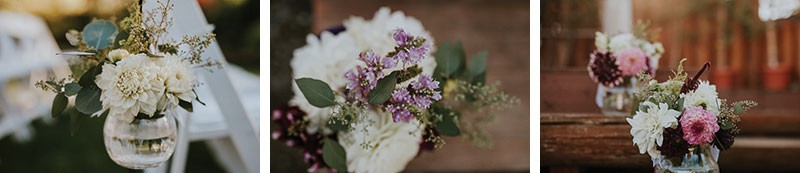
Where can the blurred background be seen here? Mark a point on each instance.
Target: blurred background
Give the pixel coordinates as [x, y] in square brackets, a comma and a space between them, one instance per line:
[500, 27]
[727, 33]
[34, 142]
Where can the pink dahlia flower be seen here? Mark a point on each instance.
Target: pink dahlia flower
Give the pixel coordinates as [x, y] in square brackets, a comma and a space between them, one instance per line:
[698, 125]
[631, 61]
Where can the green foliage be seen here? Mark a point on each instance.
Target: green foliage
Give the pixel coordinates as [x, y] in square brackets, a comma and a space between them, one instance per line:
[407, 73]
[334, 155]
[99, 34]
[449, 59]
[383, 89]
[318, 93]
[447, 124]
[59, 104]
[88, 99]
[71, 89]
[186, 105]
[476, 69]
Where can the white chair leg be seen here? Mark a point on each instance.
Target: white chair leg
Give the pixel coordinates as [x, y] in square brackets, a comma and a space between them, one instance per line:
[224, 152]
[160, 169]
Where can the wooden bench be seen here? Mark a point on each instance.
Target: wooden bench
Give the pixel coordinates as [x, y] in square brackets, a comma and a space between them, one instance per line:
[574, 135]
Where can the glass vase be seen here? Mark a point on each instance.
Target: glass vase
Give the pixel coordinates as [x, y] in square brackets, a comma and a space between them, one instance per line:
[617, 101]
[144, 142]
[698, 160]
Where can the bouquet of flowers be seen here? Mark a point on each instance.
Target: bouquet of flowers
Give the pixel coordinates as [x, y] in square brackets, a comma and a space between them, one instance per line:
[369, 98]
[135, 74]
[623, 56]
[682, 116]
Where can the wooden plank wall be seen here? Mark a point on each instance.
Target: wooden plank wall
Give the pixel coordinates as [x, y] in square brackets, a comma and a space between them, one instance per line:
[726, 33]
[500, 27]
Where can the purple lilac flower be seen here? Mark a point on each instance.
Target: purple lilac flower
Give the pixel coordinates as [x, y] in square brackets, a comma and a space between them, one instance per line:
[409, 49]
[361, 82]
[417, 53]
[401, 38]
[418, 97]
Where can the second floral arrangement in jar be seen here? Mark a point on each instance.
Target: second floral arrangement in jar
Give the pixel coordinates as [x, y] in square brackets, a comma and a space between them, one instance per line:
[615, 63]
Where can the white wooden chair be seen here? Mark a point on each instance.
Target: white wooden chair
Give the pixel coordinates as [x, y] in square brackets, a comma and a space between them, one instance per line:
[27, 54]
[224, 122]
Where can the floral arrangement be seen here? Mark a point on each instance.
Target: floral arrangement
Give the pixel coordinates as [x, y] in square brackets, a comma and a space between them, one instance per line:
[133, 71]
[370, 98]
[680, 115]
[623, 56]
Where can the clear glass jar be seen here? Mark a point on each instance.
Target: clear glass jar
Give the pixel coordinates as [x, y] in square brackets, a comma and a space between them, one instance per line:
[698, 160]
[145, 142]
[617, 101]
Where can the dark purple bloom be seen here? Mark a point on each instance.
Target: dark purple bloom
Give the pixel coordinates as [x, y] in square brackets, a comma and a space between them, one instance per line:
[603, 69]
[292, 131]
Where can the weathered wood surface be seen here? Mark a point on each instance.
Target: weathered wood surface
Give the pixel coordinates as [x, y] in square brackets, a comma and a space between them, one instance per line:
[594, 140]
[575, 134]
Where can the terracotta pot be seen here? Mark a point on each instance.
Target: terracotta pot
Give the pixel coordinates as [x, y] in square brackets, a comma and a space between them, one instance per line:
[722, 78]
[776, 79]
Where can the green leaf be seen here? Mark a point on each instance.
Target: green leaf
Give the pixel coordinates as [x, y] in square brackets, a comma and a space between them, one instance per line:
[725, 124]
[476, 69]
[88, 100]
[59, 104]
[334, 155]
[186, 105]
[449, 59]
[448, 125]
[99, 34]
[737, 108]
[383, 89]
[338, 125]
[71, 89]
[679, 104]
[87, 80]
[318, 93]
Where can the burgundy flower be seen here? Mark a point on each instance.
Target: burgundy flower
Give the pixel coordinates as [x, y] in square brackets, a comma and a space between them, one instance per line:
[292, 132]
[602, 69]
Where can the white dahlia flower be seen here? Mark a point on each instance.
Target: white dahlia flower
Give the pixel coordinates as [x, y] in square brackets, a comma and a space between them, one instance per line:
[705, 94]
[178, 79]
[647, 127]
[392, 145]
[130, 87]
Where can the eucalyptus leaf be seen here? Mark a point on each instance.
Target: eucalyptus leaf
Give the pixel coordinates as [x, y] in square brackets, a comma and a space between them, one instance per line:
[334, 155]
[339, 125]
[447, 60]
[88, 100]
[318, 93]
[448, 125]
[737, 108]
[59, 104]
[477, 67]
[725, 125]
[87, 79]
[99, 34]
[383, 89]
[71, 89]
[186, 105]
